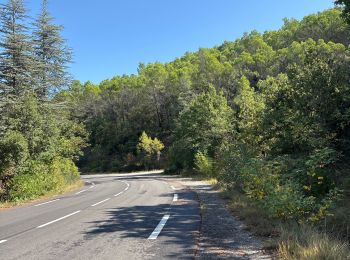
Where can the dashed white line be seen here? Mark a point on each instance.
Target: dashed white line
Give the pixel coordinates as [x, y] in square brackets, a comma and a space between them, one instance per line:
[127, 184]
[175, 197]
[91, 186]
[3, 241]
[116, 195]
[80, 192]
[53, 221]
[98, 203]
[37, 205]
[159, 228]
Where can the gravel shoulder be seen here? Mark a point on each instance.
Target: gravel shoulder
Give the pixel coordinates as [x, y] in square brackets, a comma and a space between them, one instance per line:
[222, 236]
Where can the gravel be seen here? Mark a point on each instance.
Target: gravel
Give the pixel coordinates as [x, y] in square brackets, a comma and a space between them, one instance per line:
[222, 236]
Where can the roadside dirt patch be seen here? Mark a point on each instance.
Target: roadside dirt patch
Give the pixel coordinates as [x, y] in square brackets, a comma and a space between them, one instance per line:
[222, 236]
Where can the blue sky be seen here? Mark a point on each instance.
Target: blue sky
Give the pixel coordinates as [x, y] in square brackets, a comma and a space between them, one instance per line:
[111, 37]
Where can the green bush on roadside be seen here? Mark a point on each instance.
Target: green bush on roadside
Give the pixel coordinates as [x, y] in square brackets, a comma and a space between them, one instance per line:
[203, 164]
[36, 179]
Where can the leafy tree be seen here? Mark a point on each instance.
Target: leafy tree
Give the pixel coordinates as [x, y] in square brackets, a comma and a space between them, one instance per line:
[150, 149]
[202, 127]
[345, 4]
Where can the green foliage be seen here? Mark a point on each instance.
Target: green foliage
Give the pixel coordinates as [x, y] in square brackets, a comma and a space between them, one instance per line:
[38, 136]
[150, 150]
[13, 150]
[267, 113]
[283, 197]
[51, 54]
[203, 164]
[36, 178]
[345, 4]
[16, 62]
[203, 125]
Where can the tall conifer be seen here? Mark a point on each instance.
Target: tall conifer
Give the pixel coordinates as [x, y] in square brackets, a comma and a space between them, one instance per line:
[16, 60]
[52, 54]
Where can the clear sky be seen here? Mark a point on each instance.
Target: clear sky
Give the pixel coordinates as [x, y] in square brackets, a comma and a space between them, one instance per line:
[111, 37]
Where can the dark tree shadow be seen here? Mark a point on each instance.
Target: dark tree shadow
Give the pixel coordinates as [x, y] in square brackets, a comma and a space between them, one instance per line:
[179, 236]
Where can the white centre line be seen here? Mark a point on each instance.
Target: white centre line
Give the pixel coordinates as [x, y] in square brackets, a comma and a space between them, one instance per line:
[37, 205]
[66, 216]
[100, 202]
[159, 228]
[2, 241]
[175, 197]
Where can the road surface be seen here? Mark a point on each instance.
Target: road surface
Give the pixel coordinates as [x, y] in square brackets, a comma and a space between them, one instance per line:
[119, 216]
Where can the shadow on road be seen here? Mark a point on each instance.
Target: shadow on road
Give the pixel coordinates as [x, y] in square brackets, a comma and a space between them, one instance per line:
[177, 239]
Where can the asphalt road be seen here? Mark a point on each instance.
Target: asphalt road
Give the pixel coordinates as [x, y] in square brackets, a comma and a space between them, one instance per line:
[120, 216]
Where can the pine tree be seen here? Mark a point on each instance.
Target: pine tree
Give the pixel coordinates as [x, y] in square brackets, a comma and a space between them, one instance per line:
[16, 61]
[51, 53]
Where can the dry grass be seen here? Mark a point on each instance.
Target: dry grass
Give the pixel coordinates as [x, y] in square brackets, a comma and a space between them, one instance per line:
[306, 243]
[255, 218]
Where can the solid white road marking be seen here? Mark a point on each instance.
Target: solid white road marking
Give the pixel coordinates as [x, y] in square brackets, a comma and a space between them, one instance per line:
[98, 203]
[37, 205]
[175, 197]
[66, 216]
[159, 228]
[2, 241]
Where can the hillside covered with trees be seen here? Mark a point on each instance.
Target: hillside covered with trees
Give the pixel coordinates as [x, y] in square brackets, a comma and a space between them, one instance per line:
[267, 114]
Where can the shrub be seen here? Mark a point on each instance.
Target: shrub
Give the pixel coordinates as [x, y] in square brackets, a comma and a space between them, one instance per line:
[13, 152]
[36, 178]
[267, 182]
[204, 164]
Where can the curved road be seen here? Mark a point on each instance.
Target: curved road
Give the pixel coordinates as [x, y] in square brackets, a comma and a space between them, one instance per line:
[118, 216]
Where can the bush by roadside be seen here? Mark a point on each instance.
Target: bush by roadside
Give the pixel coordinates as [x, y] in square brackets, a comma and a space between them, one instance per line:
[37, 179]
[287, 239]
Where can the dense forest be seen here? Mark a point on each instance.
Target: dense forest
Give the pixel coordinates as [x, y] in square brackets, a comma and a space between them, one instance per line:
[267, 114]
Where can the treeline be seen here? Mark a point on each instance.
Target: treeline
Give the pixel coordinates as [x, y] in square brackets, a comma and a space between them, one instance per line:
[38, 137]
[268, 114]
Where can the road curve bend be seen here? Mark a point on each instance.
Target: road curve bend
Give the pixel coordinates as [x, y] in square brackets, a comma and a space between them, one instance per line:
[115, 216]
